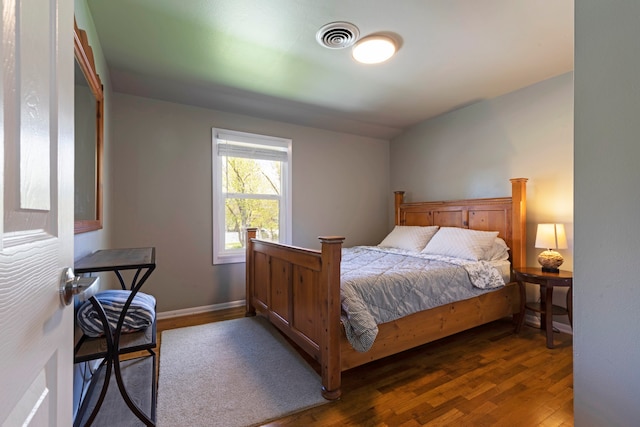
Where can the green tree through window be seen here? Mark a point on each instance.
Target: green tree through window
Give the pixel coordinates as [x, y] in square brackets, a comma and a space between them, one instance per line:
[249, 186]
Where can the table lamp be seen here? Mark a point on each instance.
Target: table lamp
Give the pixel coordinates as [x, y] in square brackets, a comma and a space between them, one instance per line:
[550, 237]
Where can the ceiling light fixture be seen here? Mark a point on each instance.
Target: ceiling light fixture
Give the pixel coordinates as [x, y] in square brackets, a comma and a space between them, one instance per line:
[374, 49]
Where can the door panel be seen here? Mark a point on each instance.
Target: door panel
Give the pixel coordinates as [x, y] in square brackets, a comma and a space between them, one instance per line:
[36, 203]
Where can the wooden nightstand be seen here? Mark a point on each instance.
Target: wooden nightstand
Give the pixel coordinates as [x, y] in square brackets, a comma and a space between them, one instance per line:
[545, 307]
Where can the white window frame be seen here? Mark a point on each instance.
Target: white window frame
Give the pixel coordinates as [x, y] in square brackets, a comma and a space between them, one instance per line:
[227, 256]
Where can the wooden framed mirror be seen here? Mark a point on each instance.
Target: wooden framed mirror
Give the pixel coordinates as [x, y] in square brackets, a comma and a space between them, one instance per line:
[89, 128]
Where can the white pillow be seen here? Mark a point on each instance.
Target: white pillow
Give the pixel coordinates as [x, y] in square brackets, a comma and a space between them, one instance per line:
[409, 237]
[460, 243]
[499, 251]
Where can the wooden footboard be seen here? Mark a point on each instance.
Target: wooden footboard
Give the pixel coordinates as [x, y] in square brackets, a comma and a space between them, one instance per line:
[298, 289]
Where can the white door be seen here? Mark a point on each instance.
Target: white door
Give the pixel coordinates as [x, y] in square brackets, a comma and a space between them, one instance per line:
[36, 203]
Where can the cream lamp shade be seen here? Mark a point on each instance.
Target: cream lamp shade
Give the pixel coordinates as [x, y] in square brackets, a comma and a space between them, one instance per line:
[551, 237]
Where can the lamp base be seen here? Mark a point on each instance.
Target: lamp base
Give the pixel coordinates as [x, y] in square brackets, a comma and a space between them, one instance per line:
[550, 261]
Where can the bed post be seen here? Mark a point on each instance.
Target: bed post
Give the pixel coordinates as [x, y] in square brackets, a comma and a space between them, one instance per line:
[519, 221]
[250, 309]
[399, 199]
[330, 316]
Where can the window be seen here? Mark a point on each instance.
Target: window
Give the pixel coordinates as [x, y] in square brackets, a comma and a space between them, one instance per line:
[251, 188]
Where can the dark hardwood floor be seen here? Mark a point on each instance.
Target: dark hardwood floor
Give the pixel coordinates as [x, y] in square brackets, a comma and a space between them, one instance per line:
[487, 376]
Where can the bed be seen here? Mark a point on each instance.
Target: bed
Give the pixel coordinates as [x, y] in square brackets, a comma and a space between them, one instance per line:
[299, 290]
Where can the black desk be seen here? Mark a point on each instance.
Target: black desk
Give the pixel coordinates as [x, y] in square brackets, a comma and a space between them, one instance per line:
[113, 343]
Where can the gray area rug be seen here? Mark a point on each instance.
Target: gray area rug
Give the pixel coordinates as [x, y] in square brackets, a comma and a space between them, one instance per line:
[233, 373]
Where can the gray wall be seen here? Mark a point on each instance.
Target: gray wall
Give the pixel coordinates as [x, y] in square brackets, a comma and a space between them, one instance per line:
[607, 202]
[472, 152]
[161, 195]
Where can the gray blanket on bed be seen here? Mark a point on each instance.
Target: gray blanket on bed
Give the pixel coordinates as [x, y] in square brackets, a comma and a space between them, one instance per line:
[380, 285]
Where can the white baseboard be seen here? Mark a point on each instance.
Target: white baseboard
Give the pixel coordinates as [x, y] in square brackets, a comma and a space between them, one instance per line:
[199, 310]
[534, 320]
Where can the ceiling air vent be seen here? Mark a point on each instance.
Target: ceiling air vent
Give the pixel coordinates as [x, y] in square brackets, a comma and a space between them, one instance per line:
[337, 35]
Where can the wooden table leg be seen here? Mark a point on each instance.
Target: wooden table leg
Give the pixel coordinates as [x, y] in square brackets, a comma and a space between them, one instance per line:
[547, 317]
[523, 297]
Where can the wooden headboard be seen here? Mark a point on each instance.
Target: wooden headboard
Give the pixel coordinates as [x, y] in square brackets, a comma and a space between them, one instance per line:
[507, 215]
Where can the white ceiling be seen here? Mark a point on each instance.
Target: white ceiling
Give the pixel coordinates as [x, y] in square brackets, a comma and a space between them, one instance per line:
[261, 58]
